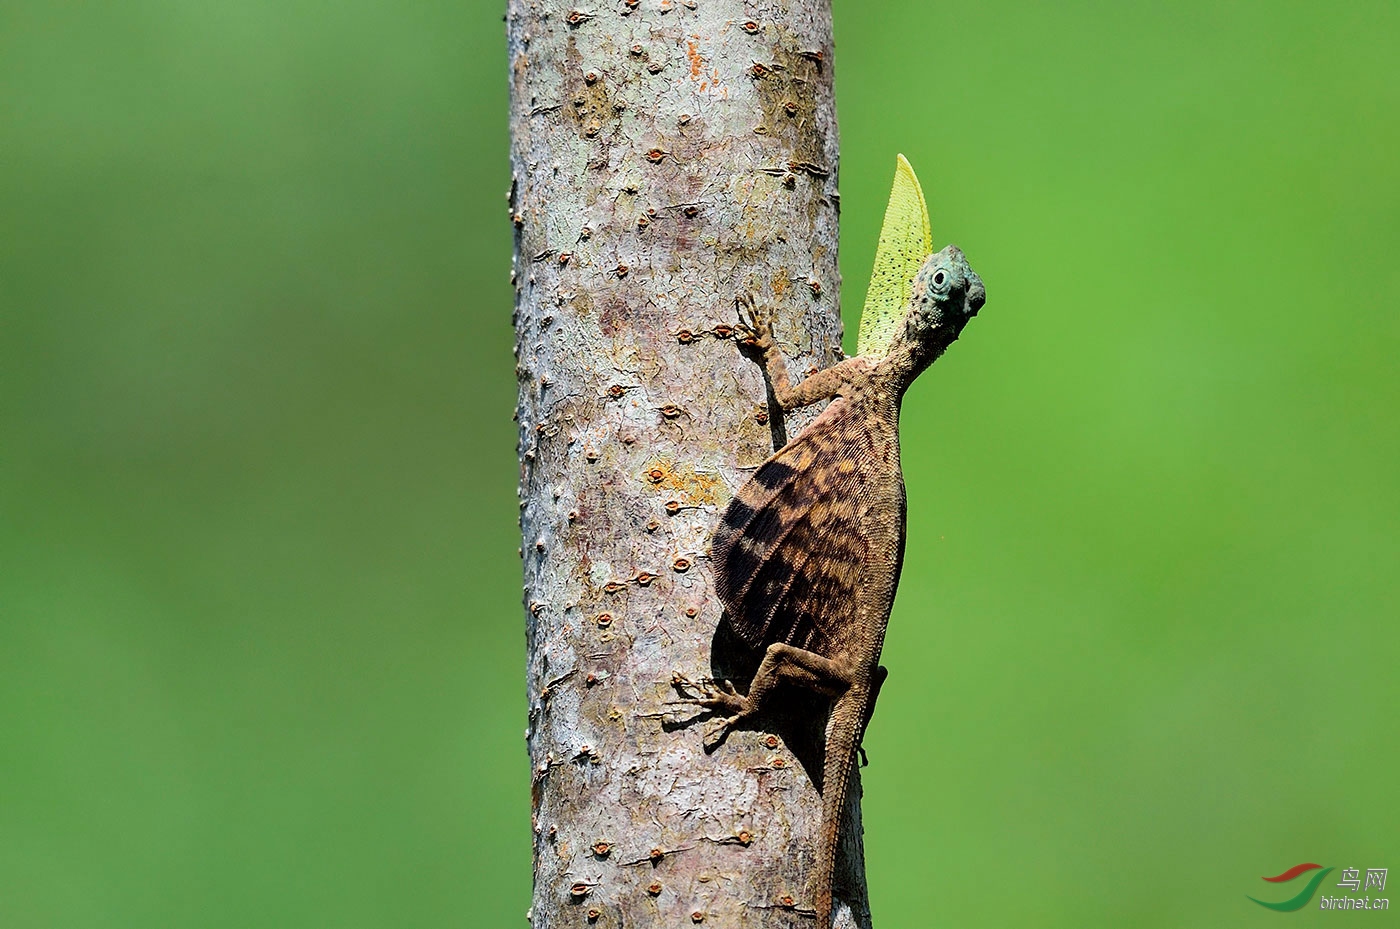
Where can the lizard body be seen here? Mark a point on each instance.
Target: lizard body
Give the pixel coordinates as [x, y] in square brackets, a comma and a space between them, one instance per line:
[808, 553]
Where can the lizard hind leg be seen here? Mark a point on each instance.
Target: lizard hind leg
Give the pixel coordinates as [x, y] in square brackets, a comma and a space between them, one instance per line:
[782, 664]
[789, 665]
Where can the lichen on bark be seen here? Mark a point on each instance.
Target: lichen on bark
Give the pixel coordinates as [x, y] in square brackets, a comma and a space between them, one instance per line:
[667, 156]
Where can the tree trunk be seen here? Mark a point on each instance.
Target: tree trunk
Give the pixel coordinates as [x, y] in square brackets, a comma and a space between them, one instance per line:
[667, 156]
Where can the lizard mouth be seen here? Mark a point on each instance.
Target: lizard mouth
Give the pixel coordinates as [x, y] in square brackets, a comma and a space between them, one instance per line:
[976, 294]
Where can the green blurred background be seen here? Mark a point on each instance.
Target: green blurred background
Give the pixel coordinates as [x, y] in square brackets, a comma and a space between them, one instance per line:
[261, 649]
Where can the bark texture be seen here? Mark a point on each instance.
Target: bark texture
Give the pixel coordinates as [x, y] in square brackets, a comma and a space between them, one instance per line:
[667, 155]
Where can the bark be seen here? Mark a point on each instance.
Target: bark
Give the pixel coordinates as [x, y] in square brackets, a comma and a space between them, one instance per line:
[667, 155]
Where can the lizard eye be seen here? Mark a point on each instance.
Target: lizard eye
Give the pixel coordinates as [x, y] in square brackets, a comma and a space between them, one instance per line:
[939, 279]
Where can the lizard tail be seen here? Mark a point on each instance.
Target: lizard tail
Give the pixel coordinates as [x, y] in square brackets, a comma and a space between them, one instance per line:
[843, 732]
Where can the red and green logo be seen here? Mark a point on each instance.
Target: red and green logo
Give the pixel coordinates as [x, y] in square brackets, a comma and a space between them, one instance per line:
[1304, 895]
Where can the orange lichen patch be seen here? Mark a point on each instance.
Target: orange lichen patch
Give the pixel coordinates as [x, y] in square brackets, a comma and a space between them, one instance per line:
[781, 282]
[692, 52]
[708, 79]
[700, 487]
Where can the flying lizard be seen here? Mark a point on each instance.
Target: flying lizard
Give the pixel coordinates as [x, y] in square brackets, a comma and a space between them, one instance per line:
[807, 555]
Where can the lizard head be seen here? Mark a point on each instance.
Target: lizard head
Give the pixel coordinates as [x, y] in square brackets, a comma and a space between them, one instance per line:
[918, 300]
[946, 294]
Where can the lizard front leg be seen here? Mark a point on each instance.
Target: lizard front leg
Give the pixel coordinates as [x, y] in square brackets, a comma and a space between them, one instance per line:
[826, 383]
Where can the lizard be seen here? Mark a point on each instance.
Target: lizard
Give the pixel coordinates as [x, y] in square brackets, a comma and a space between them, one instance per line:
[807, 554]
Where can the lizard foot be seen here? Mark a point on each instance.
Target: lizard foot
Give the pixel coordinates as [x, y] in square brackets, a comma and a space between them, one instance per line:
[752, 328]
[724, 700]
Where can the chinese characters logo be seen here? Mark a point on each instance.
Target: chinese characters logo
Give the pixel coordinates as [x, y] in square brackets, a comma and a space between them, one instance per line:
[1351, 880]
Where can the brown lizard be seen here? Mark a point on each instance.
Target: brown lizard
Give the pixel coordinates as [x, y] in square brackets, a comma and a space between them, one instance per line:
[808, 553]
